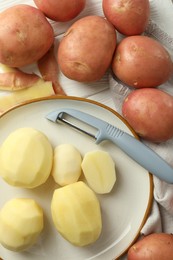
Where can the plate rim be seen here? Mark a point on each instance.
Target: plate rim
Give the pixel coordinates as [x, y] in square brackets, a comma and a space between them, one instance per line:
[60, 97]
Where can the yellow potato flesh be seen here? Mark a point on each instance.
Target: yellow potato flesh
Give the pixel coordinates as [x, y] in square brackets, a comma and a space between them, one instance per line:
[99, 171]
[21, 222]
[67, 164]
[26, 158]
[76, 213]
[38, 90]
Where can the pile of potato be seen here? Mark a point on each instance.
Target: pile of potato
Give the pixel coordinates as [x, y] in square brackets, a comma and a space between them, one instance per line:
[88, 49]
[27, 159]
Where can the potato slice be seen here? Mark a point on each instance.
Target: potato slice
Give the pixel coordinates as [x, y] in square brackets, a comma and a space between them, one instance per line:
[76, 213]
[66, 164]
[26, 158]
[21, 222]
[99, 171]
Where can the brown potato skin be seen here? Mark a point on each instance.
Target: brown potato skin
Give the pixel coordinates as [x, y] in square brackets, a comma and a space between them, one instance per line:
[86, 51]
[25, 35]
[61, 10]
[150, 113]
[141, 61]
[130, 17]
[156, 246]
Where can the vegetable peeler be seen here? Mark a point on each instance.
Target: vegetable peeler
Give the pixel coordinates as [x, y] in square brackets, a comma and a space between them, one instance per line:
[134, 148]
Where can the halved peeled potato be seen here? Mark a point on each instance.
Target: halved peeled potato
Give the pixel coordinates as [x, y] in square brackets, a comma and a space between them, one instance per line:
[76, 213]
[21, 222]
[26, 158]
[99, 170]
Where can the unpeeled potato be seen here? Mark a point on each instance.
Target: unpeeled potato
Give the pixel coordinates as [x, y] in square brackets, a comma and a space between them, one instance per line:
[25, 35]
[155, 246]
[128, 17]
[87, 48]
[61, 10]
[141, 61]
[150, 112]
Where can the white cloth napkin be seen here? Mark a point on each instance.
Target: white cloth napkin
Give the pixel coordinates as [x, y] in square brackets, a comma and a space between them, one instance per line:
[161, 216]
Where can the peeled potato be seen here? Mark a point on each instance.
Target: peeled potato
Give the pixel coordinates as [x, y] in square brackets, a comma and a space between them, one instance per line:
[76, 213]
[99, 171]
[21, 222]
[26, 158]
[67, 164]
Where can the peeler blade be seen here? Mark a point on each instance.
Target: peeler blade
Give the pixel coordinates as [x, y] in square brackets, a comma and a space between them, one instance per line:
[87, 124]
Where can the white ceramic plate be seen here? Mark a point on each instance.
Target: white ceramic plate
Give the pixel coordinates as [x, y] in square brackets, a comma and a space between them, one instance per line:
[124, 210]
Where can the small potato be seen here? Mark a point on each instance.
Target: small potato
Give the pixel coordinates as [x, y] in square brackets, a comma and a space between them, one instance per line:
[157, 246]
[25, 35]
[150, 112]
[61, 10]
[130, 17]
[66, 164]
[141, 61]
[99, 170]
[86, 51]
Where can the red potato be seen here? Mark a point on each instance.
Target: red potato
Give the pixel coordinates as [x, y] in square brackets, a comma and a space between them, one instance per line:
[25, 35]
[86, 51]
[141, 61]
[61, 10]
[156, 246]
[150, 112]
[130, 17]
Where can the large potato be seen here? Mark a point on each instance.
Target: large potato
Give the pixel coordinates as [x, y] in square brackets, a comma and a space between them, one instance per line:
[61, 10]
[141, 61]
[26, 158]
[128, 17]
[76, 213]
[150, 112]
[86, 51]
[25, 35]
[154, 246]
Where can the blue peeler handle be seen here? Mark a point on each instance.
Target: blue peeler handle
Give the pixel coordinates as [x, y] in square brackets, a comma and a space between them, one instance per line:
[138, 151]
